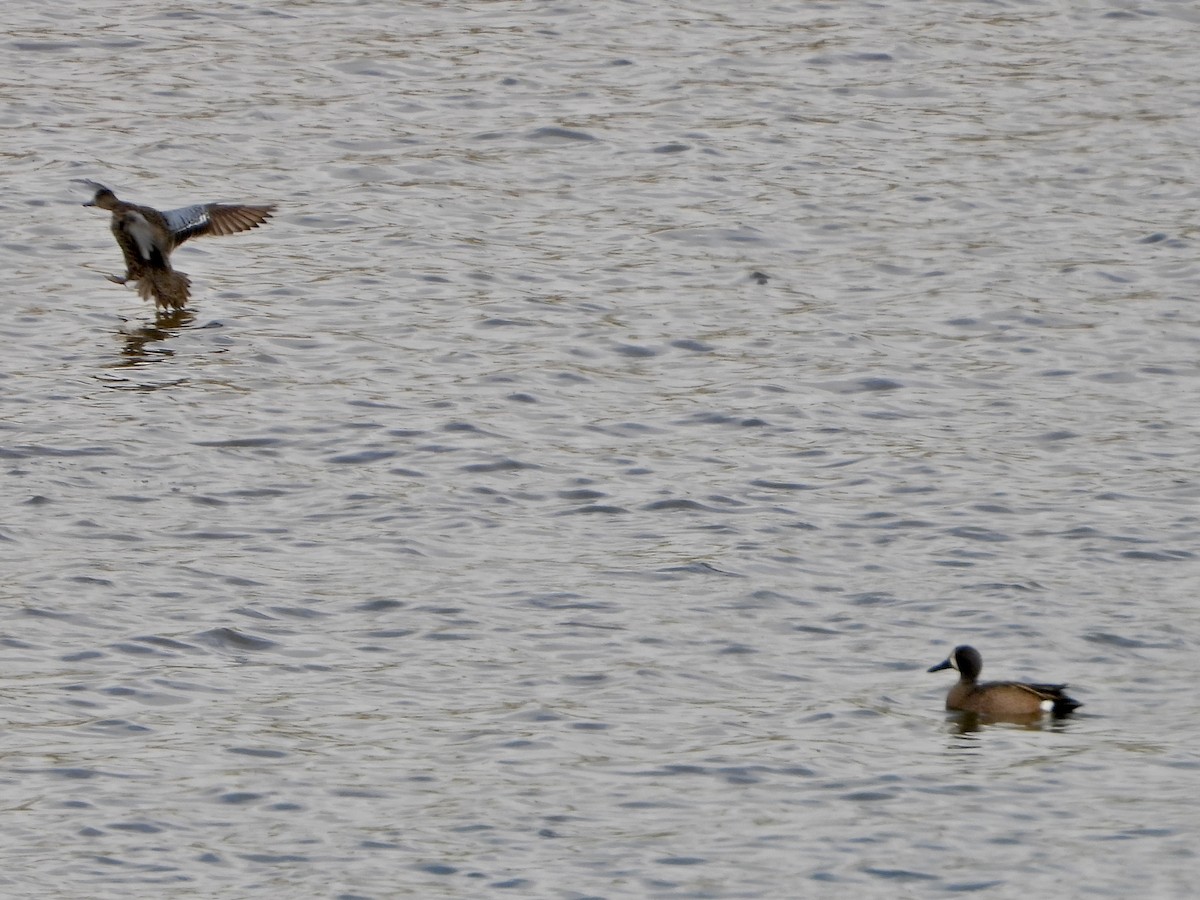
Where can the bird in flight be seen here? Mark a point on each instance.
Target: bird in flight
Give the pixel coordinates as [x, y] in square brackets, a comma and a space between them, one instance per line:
[147, 236]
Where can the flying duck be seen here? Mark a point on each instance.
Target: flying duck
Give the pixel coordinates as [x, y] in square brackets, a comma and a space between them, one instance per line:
[147, 236]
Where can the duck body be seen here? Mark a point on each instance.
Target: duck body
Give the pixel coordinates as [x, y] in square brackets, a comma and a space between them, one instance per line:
[1000, 699]
[148, 236]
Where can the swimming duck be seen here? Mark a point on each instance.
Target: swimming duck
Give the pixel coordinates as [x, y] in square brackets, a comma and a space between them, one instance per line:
[1000, 699]
[147, 236]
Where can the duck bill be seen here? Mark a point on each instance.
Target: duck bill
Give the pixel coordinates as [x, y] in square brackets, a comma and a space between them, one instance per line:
[944, 664]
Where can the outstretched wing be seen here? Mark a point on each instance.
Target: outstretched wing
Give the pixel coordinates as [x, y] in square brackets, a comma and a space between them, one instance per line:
[142, 236]
[214, 218]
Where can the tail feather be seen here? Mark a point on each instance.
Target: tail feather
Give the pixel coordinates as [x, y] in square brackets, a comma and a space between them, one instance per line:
[166, 287]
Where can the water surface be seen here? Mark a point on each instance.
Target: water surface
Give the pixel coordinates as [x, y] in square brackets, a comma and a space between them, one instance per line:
[565, 494]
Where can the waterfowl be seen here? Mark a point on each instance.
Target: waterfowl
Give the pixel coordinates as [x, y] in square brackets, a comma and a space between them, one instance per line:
[1000, 699]
[147, 236]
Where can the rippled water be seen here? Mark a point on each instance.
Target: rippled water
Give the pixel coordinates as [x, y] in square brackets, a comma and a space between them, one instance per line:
[565, 494]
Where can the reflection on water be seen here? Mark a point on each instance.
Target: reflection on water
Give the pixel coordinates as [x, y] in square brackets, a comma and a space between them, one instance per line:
[140, 342]
[970, 722]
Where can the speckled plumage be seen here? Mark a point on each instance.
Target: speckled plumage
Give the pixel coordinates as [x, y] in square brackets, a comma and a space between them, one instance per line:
[1000, 699]
[147, 237]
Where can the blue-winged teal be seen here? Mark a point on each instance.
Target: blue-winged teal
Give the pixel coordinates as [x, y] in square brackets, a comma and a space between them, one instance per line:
[147, 236]
[1000, 699]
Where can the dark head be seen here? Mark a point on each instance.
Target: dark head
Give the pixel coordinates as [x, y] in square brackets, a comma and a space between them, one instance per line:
[104, 198]
[966, 660]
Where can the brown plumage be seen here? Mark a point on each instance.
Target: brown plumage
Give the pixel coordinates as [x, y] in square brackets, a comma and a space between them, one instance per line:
[1000, 699]
[147, 237]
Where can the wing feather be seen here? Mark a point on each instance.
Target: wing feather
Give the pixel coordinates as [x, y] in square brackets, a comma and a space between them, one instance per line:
[214, 219]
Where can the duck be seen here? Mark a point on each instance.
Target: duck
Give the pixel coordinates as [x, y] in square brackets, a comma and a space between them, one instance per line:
[1000, 699]
[147, 237]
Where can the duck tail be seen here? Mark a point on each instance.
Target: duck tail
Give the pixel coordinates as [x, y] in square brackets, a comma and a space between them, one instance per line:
[166, 287]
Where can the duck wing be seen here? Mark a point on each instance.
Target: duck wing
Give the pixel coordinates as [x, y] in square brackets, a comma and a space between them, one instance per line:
[94, 185]
[142, 236]
[213, 218]
[1049, 690]
[1055, 693]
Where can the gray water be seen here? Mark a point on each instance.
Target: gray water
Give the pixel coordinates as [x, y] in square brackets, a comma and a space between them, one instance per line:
[564, 495]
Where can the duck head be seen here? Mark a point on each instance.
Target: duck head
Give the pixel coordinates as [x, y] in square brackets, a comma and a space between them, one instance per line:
[104, 198]
[965, 660]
